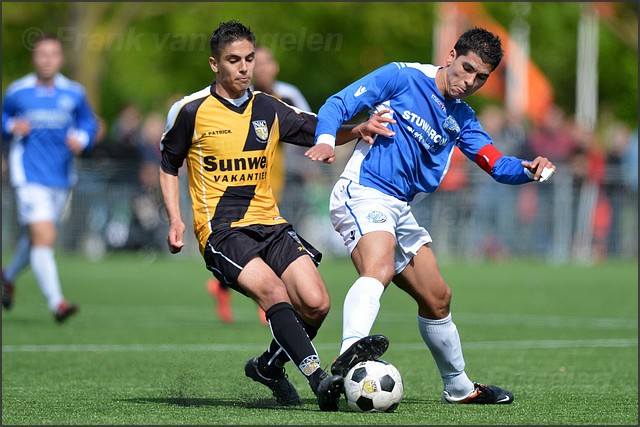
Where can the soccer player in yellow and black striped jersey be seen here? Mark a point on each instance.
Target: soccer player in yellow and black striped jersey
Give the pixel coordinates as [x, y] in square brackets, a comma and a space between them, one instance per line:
[289, 169]
[228, 136]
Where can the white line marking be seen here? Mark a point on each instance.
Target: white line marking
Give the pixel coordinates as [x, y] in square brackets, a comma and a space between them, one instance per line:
[531, 344]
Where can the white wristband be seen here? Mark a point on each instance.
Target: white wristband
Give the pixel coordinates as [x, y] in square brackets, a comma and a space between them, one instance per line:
[545, 175]
[326, 138]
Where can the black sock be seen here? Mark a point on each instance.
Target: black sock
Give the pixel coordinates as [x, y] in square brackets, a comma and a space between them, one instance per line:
[292, 341]
[275, 357]
[275, 352]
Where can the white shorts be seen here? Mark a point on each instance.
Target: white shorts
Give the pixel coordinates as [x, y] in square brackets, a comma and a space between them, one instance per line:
[37, 203]
[356, 210]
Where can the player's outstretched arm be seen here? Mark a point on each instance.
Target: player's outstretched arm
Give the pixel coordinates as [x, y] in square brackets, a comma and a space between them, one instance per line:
[541, 168]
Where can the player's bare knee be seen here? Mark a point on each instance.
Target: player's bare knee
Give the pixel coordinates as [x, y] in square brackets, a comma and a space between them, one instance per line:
[315, 310]
[383, 273]
[314, 315]
[445, 295]
[440, 311]
[435, 304]
[434, 310]
[443, 303]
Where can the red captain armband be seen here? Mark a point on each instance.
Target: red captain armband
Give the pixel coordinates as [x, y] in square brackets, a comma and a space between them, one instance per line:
[487, 157]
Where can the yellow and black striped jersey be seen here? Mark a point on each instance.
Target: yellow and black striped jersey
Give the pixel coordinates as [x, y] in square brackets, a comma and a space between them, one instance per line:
[229, 152]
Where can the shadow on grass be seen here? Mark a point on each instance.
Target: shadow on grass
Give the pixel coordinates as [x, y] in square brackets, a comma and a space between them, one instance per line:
[204, 402]
[267, 403]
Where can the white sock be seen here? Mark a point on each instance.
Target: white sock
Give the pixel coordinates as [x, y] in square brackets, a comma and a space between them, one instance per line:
[441, 336]
[44, 268]
[20, 259]
[360, 309]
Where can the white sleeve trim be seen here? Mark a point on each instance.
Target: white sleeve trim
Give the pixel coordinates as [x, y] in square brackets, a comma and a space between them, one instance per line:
[326, 138]
[529, 174]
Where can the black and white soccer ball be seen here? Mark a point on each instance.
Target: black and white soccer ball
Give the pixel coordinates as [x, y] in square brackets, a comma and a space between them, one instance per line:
[373, 386]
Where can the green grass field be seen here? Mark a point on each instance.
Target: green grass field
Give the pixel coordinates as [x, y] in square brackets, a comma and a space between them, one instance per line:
[147, 348]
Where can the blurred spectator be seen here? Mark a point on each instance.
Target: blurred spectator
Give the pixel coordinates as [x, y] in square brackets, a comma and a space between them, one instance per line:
[630, 206]
[555, 138]
[293, 170]
[123, 136]
[307, 184]
[592, 208]
[125, 156]
[618, 138]
[146, 230]
[451, 204]
[147, 227]
[148, 138]
[630, 163]
[99, 150]
[129, 213]
[496, 232]
[94, 167]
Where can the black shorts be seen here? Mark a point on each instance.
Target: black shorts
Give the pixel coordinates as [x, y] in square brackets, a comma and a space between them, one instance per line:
[229, 249]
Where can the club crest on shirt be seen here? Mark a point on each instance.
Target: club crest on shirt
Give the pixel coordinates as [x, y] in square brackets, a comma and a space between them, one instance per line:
[451, 126]
[262, 131]
[376, 217]
[66, 103]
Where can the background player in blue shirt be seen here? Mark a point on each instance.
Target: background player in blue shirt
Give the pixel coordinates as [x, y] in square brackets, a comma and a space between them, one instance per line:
[371, 202]
[48, 120]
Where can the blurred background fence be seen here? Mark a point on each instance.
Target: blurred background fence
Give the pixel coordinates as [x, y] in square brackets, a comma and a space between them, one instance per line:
[564, 220]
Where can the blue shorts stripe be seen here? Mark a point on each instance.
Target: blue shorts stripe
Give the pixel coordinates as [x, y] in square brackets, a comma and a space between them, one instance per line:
[355, 219]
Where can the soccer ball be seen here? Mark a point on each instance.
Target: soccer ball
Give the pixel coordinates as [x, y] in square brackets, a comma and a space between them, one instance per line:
[373, 386]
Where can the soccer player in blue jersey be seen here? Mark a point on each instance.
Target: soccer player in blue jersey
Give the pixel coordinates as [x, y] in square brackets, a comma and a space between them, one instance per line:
[48, 120]
[371, 202]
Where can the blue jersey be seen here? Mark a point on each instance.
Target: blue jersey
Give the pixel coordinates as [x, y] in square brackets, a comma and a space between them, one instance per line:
[416, 159]
[42, 156]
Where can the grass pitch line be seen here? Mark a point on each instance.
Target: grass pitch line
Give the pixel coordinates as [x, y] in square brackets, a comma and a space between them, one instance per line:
[486, 345]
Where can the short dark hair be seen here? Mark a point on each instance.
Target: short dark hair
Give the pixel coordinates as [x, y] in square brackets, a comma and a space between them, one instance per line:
[483, 43]
[45, 37]
[229, 32]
